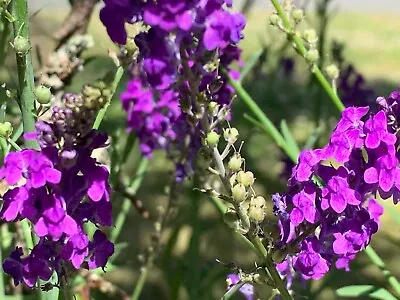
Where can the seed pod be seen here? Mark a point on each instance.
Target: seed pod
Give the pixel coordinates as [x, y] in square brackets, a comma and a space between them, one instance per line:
[212, 139]
[21, 45]
[43, 94]
[6, 129]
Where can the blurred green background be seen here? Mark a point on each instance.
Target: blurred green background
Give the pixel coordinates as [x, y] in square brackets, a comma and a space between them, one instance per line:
[187, 269]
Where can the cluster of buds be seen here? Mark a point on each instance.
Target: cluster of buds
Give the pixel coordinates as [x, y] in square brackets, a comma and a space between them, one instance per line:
[246, 207]
[295, 16]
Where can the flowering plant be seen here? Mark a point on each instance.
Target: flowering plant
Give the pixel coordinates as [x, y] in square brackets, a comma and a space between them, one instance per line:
[68, 187]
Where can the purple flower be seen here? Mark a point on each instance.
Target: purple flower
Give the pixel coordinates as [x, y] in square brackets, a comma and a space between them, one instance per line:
[304, 206]
[223, 28]
[101, 249]
[308, 159]
[76, 249]
[13, 265]
[376, 131]
[309, 261]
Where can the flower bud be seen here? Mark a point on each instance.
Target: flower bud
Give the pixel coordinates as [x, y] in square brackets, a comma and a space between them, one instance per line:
[212, 139]
[6, 129]
[21, 45]
[256, 213]
[245, 178]
[274, 19]
[213, 108]
[130, 46]
[231, 135]
[332, 71]
[235, 163]
[312, 55]
[43, 94]
[258, 201]
[298, 15]
[239, 193]
[310, 36]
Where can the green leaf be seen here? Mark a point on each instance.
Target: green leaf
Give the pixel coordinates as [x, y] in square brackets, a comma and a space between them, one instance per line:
[232, 291]
[365, 291]
[313, 138]
[250, 64]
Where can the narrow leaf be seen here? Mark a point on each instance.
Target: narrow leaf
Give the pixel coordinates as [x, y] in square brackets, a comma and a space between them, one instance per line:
[232, 291]
[362, 291]
[288, 136]
[250, 64]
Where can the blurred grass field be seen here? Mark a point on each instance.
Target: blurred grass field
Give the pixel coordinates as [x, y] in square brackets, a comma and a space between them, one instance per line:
[372, 44]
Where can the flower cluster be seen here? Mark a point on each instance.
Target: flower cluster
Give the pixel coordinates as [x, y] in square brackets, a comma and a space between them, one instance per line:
[181, 55]
[330, 210]
[59, 188]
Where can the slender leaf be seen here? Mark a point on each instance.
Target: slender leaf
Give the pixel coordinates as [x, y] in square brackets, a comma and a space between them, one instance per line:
[250, 64]
[232, 291]
[365, 291]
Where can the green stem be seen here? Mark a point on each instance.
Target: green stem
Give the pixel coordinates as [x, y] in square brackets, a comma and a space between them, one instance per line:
[374, 257]
[25, 70]
[279, 283]
[232, 291]
[114, 85]
[142, 278]
[302, 50]
[127, 204]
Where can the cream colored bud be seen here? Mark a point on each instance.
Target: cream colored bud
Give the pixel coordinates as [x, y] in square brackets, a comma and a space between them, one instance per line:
[239, 193]
[235, 163]
[231, 135]
[245, 178]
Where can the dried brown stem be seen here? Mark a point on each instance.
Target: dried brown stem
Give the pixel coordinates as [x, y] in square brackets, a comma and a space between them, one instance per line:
[76, 22]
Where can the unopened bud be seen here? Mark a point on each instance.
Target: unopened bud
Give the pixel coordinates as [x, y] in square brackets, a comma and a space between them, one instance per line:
[231, 135]
[274, 19]
[258, 201]
[245, 178]
[239, 193]
[332, 71]
[213, 108]
[130, 46]
[256, 213]
[212, 139]
[298, 15]
[312, 55]
[21, 45]
[6, 129]
[43, 94]
[235, 163]
[310, 36]
[287, 5]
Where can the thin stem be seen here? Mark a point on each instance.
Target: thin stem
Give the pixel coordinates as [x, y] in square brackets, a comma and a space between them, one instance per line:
[4, 38]
[375, 258]
[127, 204]
[232, 291]
[14, 144]
[279, 283]
[142, 278]
[25, 70]
[302, 50]
[114, 85]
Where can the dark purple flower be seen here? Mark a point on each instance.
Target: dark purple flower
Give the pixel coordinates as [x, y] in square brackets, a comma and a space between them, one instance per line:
[101, 249]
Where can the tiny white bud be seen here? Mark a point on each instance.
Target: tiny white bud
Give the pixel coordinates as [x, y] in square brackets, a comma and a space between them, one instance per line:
[245, 178]
[239, 193]
[235, 163]
[274, 19]
[312, 55]
[213, 108]
[310, 36]
[231, 135]
[298, 15]
[332, 71]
